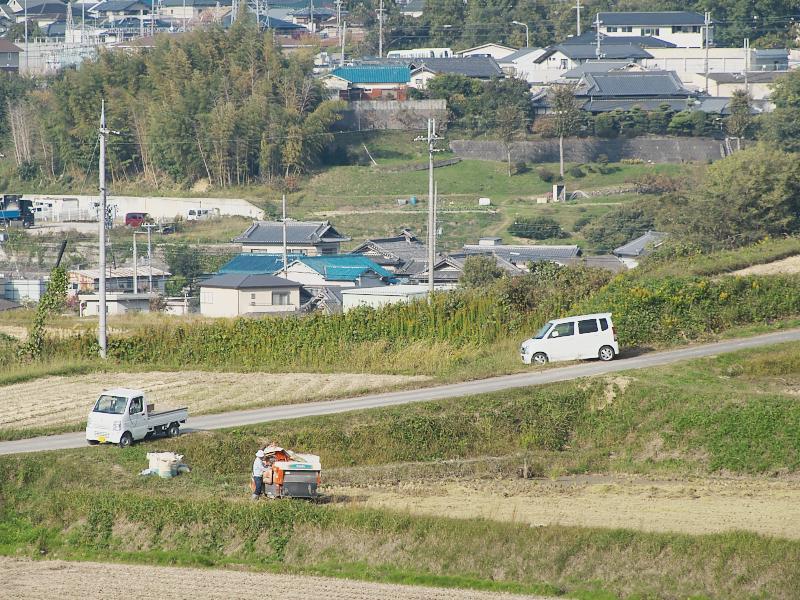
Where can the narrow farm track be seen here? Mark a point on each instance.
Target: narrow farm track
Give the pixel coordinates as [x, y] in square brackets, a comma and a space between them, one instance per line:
[45, 579]
[494, 384]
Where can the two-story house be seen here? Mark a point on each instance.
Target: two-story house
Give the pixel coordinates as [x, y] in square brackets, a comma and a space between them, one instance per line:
[683, 28]
[309, 238]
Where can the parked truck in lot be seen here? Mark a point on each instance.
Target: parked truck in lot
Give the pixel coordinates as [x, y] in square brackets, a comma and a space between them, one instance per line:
[16, 211]
[122, 416]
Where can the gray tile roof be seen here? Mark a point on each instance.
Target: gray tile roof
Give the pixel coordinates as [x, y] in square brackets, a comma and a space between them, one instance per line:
[641, 245]
[297, 232]
[637, 84]
[480, 67]
[242, 281]
[596, 66]
[523, 254]
[396, 250]
[522, 52]
[676, 104]
[665, 18]
[645, 41]
[589, 51]
[752, 77]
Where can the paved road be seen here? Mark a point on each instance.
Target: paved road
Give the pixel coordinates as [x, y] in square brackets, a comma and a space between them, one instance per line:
[539, 377]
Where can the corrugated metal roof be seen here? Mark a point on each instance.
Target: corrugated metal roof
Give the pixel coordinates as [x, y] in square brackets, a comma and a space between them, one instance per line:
[641, 245]
[640, 84]
[239, 281]
[373, 74]
[665, 18]
[481, 67]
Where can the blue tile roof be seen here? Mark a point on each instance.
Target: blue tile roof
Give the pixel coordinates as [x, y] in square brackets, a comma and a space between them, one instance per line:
[374, 74]
[343, 267]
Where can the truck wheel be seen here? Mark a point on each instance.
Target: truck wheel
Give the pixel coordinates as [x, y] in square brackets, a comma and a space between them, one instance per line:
[540, 358]
[126, 440]
[93, 442]
[174, 430]
[606, 353]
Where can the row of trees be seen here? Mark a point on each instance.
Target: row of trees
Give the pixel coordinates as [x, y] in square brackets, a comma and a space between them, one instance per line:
[223, 105]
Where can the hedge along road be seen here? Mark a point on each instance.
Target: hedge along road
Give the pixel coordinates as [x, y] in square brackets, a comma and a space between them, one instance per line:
[467, 388]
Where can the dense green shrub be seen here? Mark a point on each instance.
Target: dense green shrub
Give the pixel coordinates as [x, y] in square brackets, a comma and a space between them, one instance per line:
[536, 228]
[576, 172]
[546, 174]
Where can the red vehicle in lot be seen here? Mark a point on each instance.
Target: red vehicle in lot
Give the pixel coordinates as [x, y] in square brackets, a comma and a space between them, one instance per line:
[135, 219]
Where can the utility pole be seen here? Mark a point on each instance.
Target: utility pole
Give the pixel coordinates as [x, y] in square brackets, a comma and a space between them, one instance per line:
[746, 64]
[285, 252]
[27, 64]
[339, 19]
[149, 226]
[344, 36]
[598, 52]
[135, 267]
[707, 23]
[578, 8]
[431, 139]
[101, 330]
[380, 30]
[311, 14]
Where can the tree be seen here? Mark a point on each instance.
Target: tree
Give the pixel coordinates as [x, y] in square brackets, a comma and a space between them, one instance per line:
[740, 121]
[566, 116]
[509, 122]
[619, 226]
[536, 228]
[479, 271]
[782, 126]
[745, 197]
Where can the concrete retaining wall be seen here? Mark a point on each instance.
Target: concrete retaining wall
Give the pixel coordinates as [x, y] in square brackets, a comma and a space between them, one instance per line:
[658, 149]
[392, 114]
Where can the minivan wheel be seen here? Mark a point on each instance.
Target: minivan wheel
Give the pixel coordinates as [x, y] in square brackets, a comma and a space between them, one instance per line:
[606, 353]
[126, 440]
[540, 358]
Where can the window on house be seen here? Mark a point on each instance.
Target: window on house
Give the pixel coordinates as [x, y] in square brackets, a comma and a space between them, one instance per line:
[252, 296]
[418, 81]
[650, 31]
[611, 29]
[627, 30]
[281, 298]
[696, 29]
[207, 298]
[564, 63]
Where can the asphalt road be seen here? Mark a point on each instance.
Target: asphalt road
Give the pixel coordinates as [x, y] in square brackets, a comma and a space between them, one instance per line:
[467, 388]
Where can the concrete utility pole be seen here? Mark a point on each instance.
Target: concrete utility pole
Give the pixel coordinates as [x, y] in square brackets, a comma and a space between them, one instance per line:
[149, 226]
[27, 65]
[339, 19]
[311, 15]
[597, 22]
[431, 139]
[285, 251]
[746, 64]
[578, 8]
[344, 37]
[101, 219]
[706, 40]
[380, 30]
[135, 267]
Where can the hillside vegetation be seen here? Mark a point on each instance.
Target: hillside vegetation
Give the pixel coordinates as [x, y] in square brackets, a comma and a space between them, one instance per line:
[708, 416]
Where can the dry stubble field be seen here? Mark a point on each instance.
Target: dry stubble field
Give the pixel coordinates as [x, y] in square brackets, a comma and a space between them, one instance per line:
[693, 505]
[43, 580]
[57, 401]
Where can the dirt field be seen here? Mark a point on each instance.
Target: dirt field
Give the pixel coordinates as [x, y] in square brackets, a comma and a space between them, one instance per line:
[33, 403]
[786, 266]
[58, 579]
[695, 506]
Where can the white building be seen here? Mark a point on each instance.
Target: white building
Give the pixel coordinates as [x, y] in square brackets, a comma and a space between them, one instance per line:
[683, 28]
[496, 51]
[116, 304]
[522, 63]
[235, 294]
[382, 296]
[688, 62]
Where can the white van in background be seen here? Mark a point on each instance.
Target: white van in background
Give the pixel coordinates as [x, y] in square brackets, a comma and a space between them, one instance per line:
[573, 338]
[201, 214]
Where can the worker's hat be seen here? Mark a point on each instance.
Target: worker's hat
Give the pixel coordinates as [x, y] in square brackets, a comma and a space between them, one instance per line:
[260, 454]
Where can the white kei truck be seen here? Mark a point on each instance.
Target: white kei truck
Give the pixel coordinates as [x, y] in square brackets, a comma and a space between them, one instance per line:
[122, 416]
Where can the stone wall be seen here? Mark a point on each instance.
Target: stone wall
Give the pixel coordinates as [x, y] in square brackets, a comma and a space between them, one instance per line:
[658, 149]
[391, 114]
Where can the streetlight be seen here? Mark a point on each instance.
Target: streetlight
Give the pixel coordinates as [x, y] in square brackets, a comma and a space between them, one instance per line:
[527, 32]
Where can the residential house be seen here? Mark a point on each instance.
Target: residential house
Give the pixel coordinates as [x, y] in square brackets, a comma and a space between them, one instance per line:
[688, 62]
[183, 11]
[377, 297]
[312, 19]
[87, 281]
[447, 270]
[636, 249]
[556, 60]
[622, 90]
[685, 29]
[402, 254]
[9, 56]
[521, 255]
[475, 67]
[522, 63]
[643, 41]
[233, 295]
[343, 271]
[758, 84]
[309, 238]
[117, 303]
[496, 51]
[601, 66]
[369, 82]
[41, 12]
[413, 9]
[113, 11]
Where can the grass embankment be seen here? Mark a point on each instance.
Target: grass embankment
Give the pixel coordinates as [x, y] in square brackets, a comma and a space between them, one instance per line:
[734, 413]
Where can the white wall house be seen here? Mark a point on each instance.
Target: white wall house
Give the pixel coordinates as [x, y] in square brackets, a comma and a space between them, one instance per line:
[688, 62]
[683, 28]
[522, 63]
[496, 51]
[310, 277]
[234, 294]
[311, 238]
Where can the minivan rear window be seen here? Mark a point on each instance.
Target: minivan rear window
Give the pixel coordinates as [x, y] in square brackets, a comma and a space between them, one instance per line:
[603, 324]
[587, 326]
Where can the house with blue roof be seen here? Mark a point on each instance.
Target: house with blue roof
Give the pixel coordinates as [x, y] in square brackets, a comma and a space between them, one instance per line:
[369, 82]
[337, 271]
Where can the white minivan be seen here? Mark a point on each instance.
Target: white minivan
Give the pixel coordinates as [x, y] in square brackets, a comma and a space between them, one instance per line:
[573, 338]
